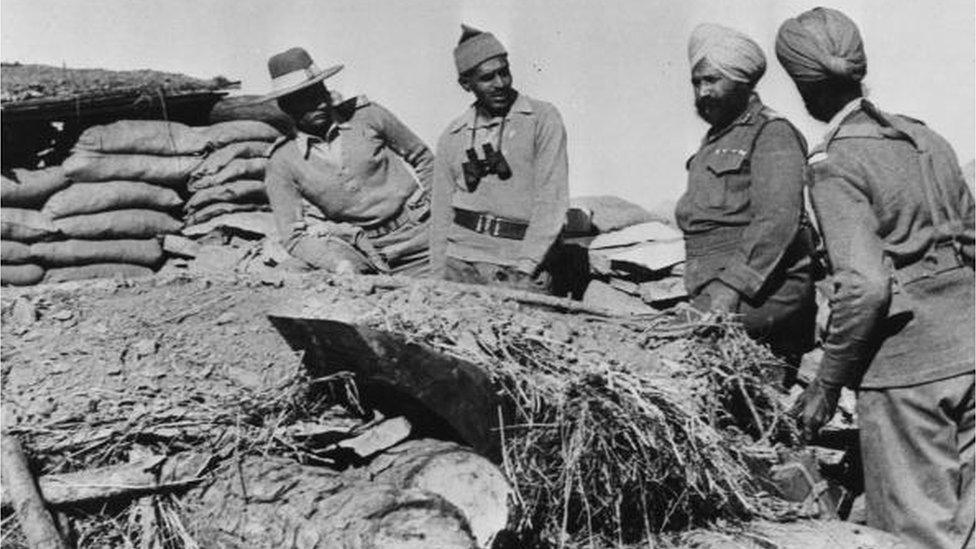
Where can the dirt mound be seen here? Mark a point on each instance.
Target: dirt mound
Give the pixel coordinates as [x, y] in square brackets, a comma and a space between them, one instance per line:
[95, 372]
[66, 352]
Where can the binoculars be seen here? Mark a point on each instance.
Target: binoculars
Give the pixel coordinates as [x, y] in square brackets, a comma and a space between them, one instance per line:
[475, 168]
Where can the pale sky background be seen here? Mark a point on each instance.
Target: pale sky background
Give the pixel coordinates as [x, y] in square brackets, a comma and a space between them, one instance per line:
[617, 70]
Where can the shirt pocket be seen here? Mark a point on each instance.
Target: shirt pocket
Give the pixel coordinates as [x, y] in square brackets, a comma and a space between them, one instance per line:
[729, 191]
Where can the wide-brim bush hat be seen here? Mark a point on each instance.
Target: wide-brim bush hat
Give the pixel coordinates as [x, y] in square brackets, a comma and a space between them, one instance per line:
[293, 70]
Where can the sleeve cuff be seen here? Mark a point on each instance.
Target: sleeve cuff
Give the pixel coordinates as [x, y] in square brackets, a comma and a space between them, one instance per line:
[745, 280]
[839, 373]
[527, 266]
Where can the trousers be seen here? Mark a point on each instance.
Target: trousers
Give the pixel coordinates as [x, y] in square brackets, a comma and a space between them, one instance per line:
[917, 450]
[324, 244]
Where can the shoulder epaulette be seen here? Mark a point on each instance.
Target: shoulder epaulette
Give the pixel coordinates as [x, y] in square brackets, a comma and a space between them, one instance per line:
[858, 130]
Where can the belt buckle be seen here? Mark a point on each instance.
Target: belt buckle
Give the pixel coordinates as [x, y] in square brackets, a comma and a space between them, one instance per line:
[495, 227]
[479, 226]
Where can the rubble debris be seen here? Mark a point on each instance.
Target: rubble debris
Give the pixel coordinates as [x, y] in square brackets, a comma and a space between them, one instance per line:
[313, 507]
[24, 313]
[377, 436]
[598, 411]
[815, 534]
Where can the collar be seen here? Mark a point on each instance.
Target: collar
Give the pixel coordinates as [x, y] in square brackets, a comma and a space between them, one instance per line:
[306, 140]
[522, 105]
[841, 115]
[343, 113]
[748, 116]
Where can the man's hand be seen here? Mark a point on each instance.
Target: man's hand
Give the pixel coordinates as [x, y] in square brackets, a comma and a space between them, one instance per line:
[815, 407]
[723, 298]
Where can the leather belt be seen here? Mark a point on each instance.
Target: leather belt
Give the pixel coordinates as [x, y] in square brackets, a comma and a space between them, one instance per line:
[490, 225]
[941, 258]
[404, 217]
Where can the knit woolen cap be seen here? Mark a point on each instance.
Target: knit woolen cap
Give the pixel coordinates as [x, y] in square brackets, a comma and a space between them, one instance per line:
[475, 47]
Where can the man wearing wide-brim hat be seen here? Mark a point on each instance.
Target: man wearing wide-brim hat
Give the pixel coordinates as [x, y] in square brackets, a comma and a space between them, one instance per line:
[342, 199]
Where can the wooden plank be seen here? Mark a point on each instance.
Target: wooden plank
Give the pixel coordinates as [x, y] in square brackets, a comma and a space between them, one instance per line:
[151, 474]
[451, 397]
[25, 498]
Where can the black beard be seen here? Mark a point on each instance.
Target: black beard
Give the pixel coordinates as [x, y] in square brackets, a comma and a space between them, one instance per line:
[721, 112]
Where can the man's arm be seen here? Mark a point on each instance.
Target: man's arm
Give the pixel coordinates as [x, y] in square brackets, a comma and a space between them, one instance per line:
[776, 197]
[860, 280]
[406, 144]
[317, 250]
[551, 198]
[285, 199]
[441, 212]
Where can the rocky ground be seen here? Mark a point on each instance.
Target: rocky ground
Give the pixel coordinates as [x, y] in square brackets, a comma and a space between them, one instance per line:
[98, 373]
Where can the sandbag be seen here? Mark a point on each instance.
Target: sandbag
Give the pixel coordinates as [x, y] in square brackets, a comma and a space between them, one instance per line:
[242, 190]
[216, 160]
[24, 225]
[118, 224]
[214, 210]
[225, 133]
[13, 252]
[171, 171]
[238, 168]
[610, 213]
[68, 253]
[247, 107]
[96, 270]
[87, 198]
[156, 137]
[21, 275]
[30, 188]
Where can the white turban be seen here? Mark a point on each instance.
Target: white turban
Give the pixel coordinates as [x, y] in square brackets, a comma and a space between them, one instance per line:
[731, 52]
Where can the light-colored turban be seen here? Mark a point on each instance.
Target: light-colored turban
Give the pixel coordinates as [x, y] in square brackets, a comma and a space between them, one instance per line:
[731, 52]
[474, 48]
[819, 44]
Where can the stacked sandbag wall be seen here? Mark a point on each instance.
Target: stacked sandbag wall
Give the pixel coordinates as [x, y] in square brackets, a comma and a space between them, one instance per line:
[230, 179]
[22, 224]
[128, 178]
[129, 182]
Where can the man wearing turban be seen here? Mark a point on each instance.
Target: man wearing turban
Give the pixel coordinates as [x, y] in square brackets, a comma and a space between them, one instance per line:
[898, 225]
[501, 187]
[747, 240]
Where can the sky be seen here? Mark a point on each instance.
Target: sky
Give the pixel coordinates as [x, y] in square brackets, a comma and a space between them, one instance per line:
[617, 70]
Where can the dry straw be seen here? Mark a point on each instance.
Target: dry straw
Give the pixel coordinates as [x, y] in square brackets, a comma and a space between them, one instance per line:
[613, 446]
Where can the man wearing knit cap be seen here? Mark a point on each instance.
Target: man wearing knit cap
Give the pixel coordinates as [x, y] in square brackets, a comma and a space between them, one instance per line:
[747, 240]
[342, 199]
[500, 190]
[898, 224]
